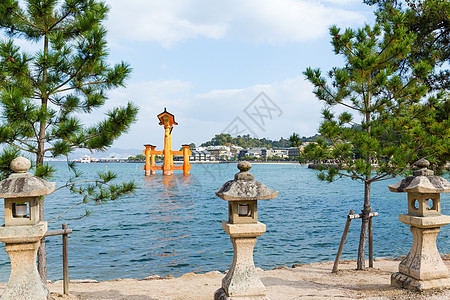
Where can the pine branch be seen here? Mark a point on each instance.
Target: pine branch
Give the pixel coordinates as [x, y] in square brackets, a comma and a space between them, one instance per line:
[349, 50]
[77, 182]
[337, 101]
[81, 85]
[26, 21]
[23, 142]
[17, 146]
[60, 20]
[349, 106]
[67, 210]
[72, 76]
[381, 178]
[354, 174]
[388, 59]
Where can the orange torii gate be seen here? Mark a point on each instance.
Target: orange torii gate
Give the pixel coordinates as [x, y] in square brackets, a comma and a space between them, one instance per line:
[168, 120]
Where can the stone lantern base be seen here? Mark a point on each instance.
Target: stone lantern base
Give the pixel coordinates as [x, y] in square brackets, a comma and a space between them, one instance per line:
[404, 281]
[242, 281]
[220, 294]
[22, 243]
[423, 268]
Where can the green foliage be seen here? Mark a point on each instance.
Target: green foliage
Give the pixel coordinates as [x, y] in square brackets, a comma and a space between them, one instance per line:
[388, 123]
[246, 141]
[318, 150]
[391, 126]
[274, 158]
[44, 171]
[295, 140]
[95, 191]
[43, 93]
[430, 21]
[6, 156]
[251, 158]
[139, 157]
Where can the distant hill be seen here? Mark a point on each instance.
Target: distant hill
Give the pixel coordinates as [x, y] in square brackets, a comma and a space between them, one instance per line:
[244, 141]
[247, 141]
[111, 152]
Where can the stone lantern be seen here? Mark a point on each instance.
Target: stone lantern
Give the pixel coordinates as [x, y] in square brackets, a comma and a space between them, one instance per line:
[23, 231]
[243, 227]
[423, 267]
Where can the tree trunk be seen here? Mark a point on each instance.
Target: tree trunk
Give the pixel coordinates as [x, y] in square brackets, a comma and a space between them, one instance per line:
[360, 263]
[42, 254]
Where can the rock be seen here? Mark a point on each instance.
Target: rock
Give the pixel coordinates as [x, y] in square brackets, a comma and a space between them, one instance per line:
[445, 256]
[151, 277]
[57, 295]
[383, 258]
[400, 257]
[280, 267]
[259, 270]
[83, 281]
[298, 265]
[168, 277]
[186, 275]
[213, 273]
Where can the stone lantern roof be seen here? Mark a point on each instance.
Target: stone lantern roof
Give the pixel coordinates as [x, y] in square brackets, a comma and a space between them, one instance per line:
[245, 187]
[422, 181]
[22, 184]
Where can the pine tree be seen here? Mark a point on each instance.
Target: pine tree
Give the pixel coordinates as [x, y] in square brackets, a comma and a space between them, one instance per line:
[387, 123]
[295, 140]
[430, 21]
[43, 93]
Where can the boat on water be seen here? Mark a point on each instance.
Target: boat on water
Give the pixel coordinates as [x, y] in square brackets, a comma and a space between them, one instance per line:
[86, 159]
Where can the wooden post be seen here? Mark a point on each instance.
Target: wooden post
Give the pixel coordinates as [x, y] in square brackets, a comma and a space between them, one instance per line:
[65, 260]
[152, 160]
[186, 153]
[146, 152]
[167, 152]
[344, 236]
[341, 245]
[370, 244]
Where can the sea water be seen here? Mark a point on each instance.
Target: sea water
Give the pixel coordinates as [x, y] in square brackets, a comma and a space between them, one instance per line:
[172, 225]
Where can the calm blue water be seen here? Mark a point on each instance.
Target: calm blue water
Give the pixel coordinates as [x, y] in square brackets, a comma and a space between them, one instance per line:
[173, 223]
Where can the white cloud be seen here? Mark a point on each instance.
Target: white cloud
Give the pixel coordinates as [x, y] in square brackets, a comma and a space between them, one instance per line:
[201, 116]
[165, 22]
[341, 2]
[266, 21]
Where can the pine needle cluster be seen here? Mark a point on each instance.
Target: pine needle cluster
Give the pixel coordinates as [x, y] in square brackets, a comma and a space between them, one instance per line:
[43, 94]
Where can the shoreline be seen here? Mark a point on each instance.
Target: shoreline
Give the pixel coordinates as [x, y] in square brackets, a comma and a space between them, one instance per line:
[199, 162]
[309, 281]
[252, 162]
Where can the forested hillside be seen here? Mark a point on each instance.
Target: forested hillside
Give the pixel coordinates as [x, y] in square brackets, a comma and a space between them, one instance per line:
[247, 141]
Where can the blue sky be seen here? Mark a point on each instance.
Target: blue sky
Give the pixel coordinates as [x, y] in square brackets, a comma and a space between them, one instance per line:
[207, 61]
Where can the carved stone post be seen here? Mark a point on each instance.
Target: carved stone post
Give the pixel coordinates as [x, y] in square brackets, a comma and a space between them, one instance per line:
[423, 267]
[242, 281]
[23, 231]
